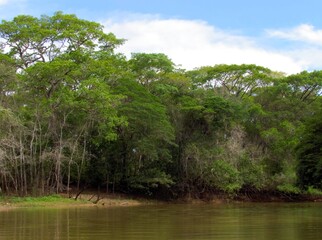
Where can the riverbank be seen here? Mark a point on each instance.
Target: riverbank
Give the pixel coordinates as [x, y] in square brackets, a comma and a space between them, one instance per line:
[9, 202]
[90, 199]
[62, 200]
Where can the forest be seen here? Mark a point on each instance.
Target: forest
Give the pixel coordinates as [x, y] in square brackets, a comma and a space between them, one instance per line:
[76, 114]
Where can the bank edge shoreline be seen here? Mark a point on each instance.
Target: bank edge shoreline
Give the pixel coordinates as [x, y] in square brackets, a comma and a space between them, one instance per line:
[127, 200]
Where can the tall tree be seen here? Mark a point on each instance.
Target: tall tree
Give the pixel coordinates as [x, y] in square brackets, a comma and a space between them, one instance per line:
[63, 100]
[237, 80]
[310, 153]
[29, 39]
[306, 86]
[143, 145]
[150, 67]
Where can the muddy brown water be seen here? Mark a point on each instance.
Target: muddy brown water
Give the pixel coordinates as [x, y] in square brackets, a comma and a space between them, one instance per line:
[179, 221]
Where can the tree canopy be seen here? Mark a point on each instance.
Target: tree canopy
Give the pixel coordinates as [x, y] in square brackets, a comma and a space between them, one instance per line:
[74, 113]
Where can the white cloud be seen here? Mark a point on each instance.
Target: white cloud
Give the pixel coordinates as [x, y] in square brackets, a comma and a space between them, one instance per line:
[312, 57]
[304, 33]
[3, 2]
[12, 8]
[196, 43]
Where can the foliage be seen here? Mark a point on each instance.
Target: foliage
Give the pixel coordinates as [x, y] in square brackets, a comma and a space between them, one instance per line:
[73, 114]
[151, 67]
[225, 176]
[29, 39]
[237, 80]
[310, 153]
[313, 191]
[288, 188]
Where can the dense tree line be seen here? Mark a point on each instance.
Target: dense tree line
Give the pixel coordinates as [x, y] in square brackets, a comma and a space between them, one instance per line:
[74, 113]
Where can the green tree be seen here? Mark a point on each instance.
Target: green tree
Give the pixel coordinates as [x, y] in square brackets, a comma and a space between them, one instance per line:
[29, 39]
[63, 99]
[8, 80]
[305, 86]
[309, 150]
[138, 158]
[283, 107]
[150, 67]
[237, 80]
[68, 107]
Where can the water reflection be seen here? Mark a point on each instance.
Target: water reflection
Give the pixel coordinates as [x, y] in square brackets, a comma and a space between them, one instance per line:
[241, 221]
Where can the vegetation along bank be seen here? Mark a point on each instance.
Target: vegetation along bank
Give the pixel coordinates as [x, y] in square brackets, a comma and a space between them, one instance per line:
[74, 115]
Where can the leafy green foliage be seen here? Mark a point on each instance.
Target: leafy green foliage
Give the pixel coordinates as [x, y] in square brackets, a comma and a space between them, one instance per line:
[313, 191]
[237, 80]
[29, 39]
[225, 176]
[150, 67]
[310, 154]
[288, 188]
[74, 113]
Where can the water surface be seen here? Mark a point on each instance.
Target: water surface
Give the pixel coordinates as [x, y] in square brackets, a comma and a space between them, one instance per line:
[237, 221]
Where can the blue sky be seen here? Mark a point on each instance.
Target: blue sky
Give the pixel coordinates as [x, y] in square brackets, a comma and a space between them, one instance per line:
[283, 35]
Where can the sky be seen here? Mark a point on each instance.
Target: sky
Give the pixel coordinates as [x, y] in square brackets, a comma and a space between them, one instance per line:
[283, 35]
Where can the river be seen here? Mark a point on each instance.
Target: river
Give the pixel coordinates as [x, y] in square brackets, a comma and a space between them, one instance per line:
[272, 221]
